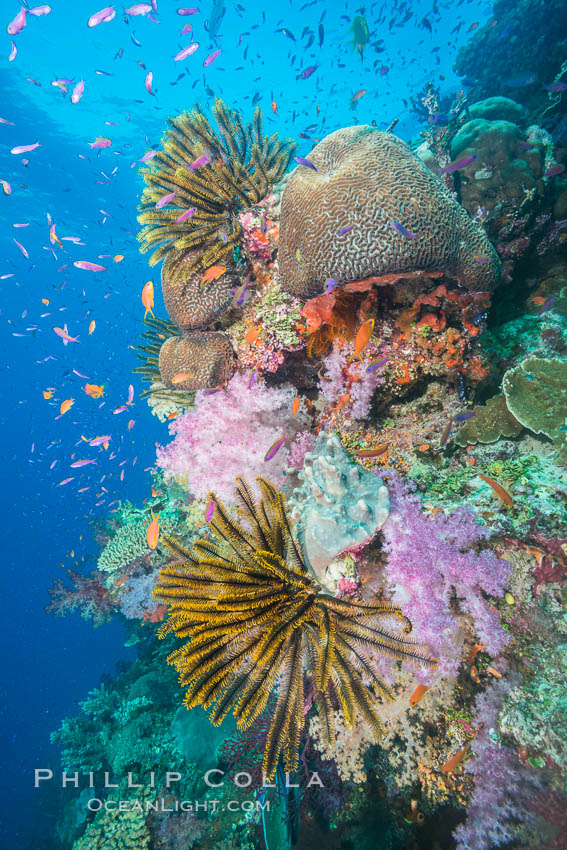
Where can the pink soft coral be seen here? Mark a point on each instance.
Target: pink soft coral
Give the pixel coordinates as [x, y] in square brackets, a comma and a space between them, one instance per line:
[228, 434]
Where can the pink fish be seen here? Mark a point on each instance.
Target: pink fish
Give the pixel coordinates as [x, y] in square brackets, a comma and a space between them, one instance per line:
[148, 82]
[39, 11]
[6, 187]
[187, 51]
[90, 267]
[187, 28]
[165, 200]
[78, 91]
[203, 160]
[274, 448]
[65, 481]
[147, 156]
[98, 441]
[130, 394]
[211, 58]
[121, 409]
[64, 334]
[22, 249]
[4, 121]
[104, 16]
[185, 215]
[24, 148]
[131, 424]
[19, 22]
[101, 142]
[191, 11]
[210, 511]
[461, 163]
[79, 463]
[138, 9]
[13, 53]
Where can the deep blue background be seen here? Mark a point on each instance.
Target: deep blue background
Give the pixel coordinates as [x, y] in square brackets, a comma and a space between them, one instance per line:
[51, 664]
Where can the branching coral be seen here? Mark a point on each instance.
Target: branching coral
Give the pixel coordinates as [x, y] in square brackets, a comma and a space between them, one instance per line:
[87, 594]
[255, 620]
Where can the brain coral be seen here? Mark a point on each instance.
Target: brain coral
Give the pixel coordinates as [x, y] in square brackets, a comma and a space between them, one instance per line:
[371, 182]
[191, 301]
[206, 358]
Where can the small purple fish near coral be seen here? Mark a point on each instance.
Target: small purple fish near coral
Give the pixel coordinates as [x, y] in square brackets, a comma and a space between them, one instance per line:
[403, 231]
[554, 170]
[461, 163]
[547, 305]
[252, 380]
[460, 417]
[210, 510]
[308, 71]
[301, 160]
[376, 364]
[274, 448]
[345, 230]
[330, 285]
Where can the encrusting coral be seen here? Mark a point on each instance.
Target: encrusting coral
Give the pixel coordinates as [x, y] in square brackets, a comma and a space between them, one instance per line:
[195, 189]
[536, 394]
[256, 620]
[370, 209]
[490, 422]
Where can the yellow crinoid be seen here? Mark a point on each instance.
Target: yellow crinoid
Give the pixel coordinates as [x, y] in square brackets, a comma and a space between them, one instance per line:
[256, 622]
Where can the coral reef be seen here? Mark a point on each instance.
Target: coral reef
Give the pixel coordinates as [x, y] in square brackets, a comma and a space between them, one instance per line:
[219, 601]
[338, 506]
[489, 422]
[195, 189]
[387, 193]
[87, 594]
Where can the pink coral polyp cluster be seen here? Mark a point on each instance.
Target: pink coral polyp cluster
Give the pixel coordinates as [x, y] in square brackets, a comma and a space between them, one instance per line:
[228, 433]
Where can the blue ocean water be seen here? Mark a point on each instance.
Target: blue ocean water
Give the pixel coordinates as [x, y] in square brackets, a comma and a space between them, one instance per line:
[92, 194]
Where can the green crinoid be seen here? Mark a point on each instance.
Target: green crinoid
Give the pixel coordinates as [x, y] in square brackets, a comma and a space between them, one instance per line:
[256, 622]
[243, 166]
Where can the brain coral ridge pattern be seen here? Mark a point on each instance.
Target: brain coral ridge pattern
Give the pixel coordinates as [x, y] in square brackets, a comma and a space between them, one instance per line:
[367, 180]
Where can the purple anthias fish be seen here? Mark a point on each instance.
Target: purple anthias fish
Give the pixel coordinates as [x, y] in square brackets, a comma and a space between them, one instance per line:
[345, 230]
[330, 285]
[308, 71]
[460, 417]
[253, 377]
[554, 170]
[376, 364]
[185, 215]
[403, 231]
[547, 305]
[274, 448]
[301, 160]
[556, 87]
[210, 511]
[461, 163]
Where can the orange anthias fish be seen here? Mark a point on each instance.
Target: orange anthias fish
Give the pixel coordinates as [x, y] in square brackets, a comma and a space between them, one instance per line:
[66, 405]
[148, 298]
[92, 326]
[455, 760]
[118, 258]
[363, 337]
[498, 489]
[252, 335]
[47, 393]
[152, 533]
[94, 390]
[181, 377]
[418, 694]
[213, 273]
[274, 107]
[295, 405]
[379, 450]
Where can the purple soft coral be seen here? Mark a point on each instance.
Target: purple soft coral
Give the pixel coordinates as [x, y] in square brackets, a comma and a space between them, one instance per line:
[429, 559]
[502, 786]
